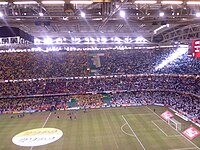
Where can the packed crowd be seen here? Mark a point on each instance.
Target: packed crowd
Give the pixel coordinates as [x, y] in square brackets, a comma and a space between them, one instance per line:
[42, 65]
[88, 100]
[186, 103]
[38, 65]
[10, 105]
[114, 83]
[35, 65]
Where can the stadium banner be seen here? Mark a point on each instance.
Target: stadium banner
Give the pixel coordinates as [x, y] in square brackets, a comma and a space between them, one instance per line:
[166, 115]
[136, 105]
[191, 132]
[73, 108]
[197, 124]
[182, 116]
[157, 104]
[30, 111]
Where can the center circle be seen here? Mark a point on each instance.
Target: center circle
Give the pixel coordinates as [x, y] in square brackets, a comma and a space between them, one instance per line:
[37, 137]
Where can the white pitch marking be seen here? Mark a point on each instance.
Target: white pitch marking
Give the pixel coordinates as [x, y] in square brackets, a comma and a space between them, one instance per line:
[124, 131]
[184, 148]
[111, 130]
[43, 126]
[159, 128]
[139, 114]
[46, 120]
[133, 132]
[174, 129]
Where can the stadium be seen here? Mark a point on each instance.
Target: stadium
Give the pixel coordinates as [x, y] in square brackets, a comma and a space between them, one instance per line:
[99, 74]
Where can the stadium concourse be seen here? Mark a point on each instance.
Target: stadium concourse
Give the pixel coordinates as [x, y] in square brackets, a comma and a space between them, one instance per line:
[36, 81]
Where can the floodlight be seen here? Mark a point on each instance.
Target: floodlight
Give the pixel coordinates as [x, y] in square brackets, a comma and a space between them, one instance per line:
[172, 2]
[58, 40]
[104, 39]
[82, 14]
[53, 2]
[48, 40]
[3, 3]
[81, 2]
[37, 41]
[145, 2]
[116, 39]
[122, 13]
[65, 18]
[87, 39]
[161, 14]
[1, 15]
[41, 14]
[140, 40]
[24, 2]
[92, 40]
[198, 14]
[98, 40]
[193, 2]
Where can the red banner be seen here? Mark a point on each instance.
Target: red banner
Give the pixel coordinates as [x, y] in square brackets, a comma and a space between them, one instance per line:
[196, 48]
[166, 115]
[191, 132]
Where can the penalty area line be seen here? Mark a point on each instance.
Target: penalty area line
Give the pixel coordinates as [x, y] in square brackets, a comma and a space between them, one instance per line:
[189, 148]
[159, 128]
[133, 132]
[173, 128]
[111, 129]
[43, 125]
[124, 131]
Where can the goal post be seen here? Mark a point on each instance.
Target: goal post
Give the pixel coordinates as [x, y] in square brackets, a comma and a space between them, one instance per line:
[173, 122]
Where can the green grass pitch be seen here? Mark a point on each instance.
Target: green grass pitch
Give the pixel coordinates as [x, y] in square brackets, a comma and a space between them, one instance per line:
[133, 128]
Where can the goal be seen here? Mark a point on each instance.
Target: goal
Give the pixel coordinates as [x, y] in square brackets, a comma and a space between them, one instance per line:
[173, 122]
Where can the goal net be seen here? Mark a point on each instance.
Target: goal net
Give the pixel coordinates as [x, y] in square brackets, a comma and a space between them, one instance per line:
[173, 122]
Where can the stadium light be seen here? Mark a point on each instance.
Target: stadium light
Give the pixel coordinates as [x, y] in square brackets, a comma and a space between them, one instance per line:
[145, 2]
[116, 39]
[81, 2]
[87, 39]
[1, 15]
[41, 14]
[3, 3]
[193, 2]
[53, 2]
[58, 40]
[198, 14]
[92, 40]
[82, 14]
[161, 14]
[24, 2]
[103, 39]
[172, 2]
[122, 14]
[48, 40]
[173, 57]
[140, 40]
[37, 41]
